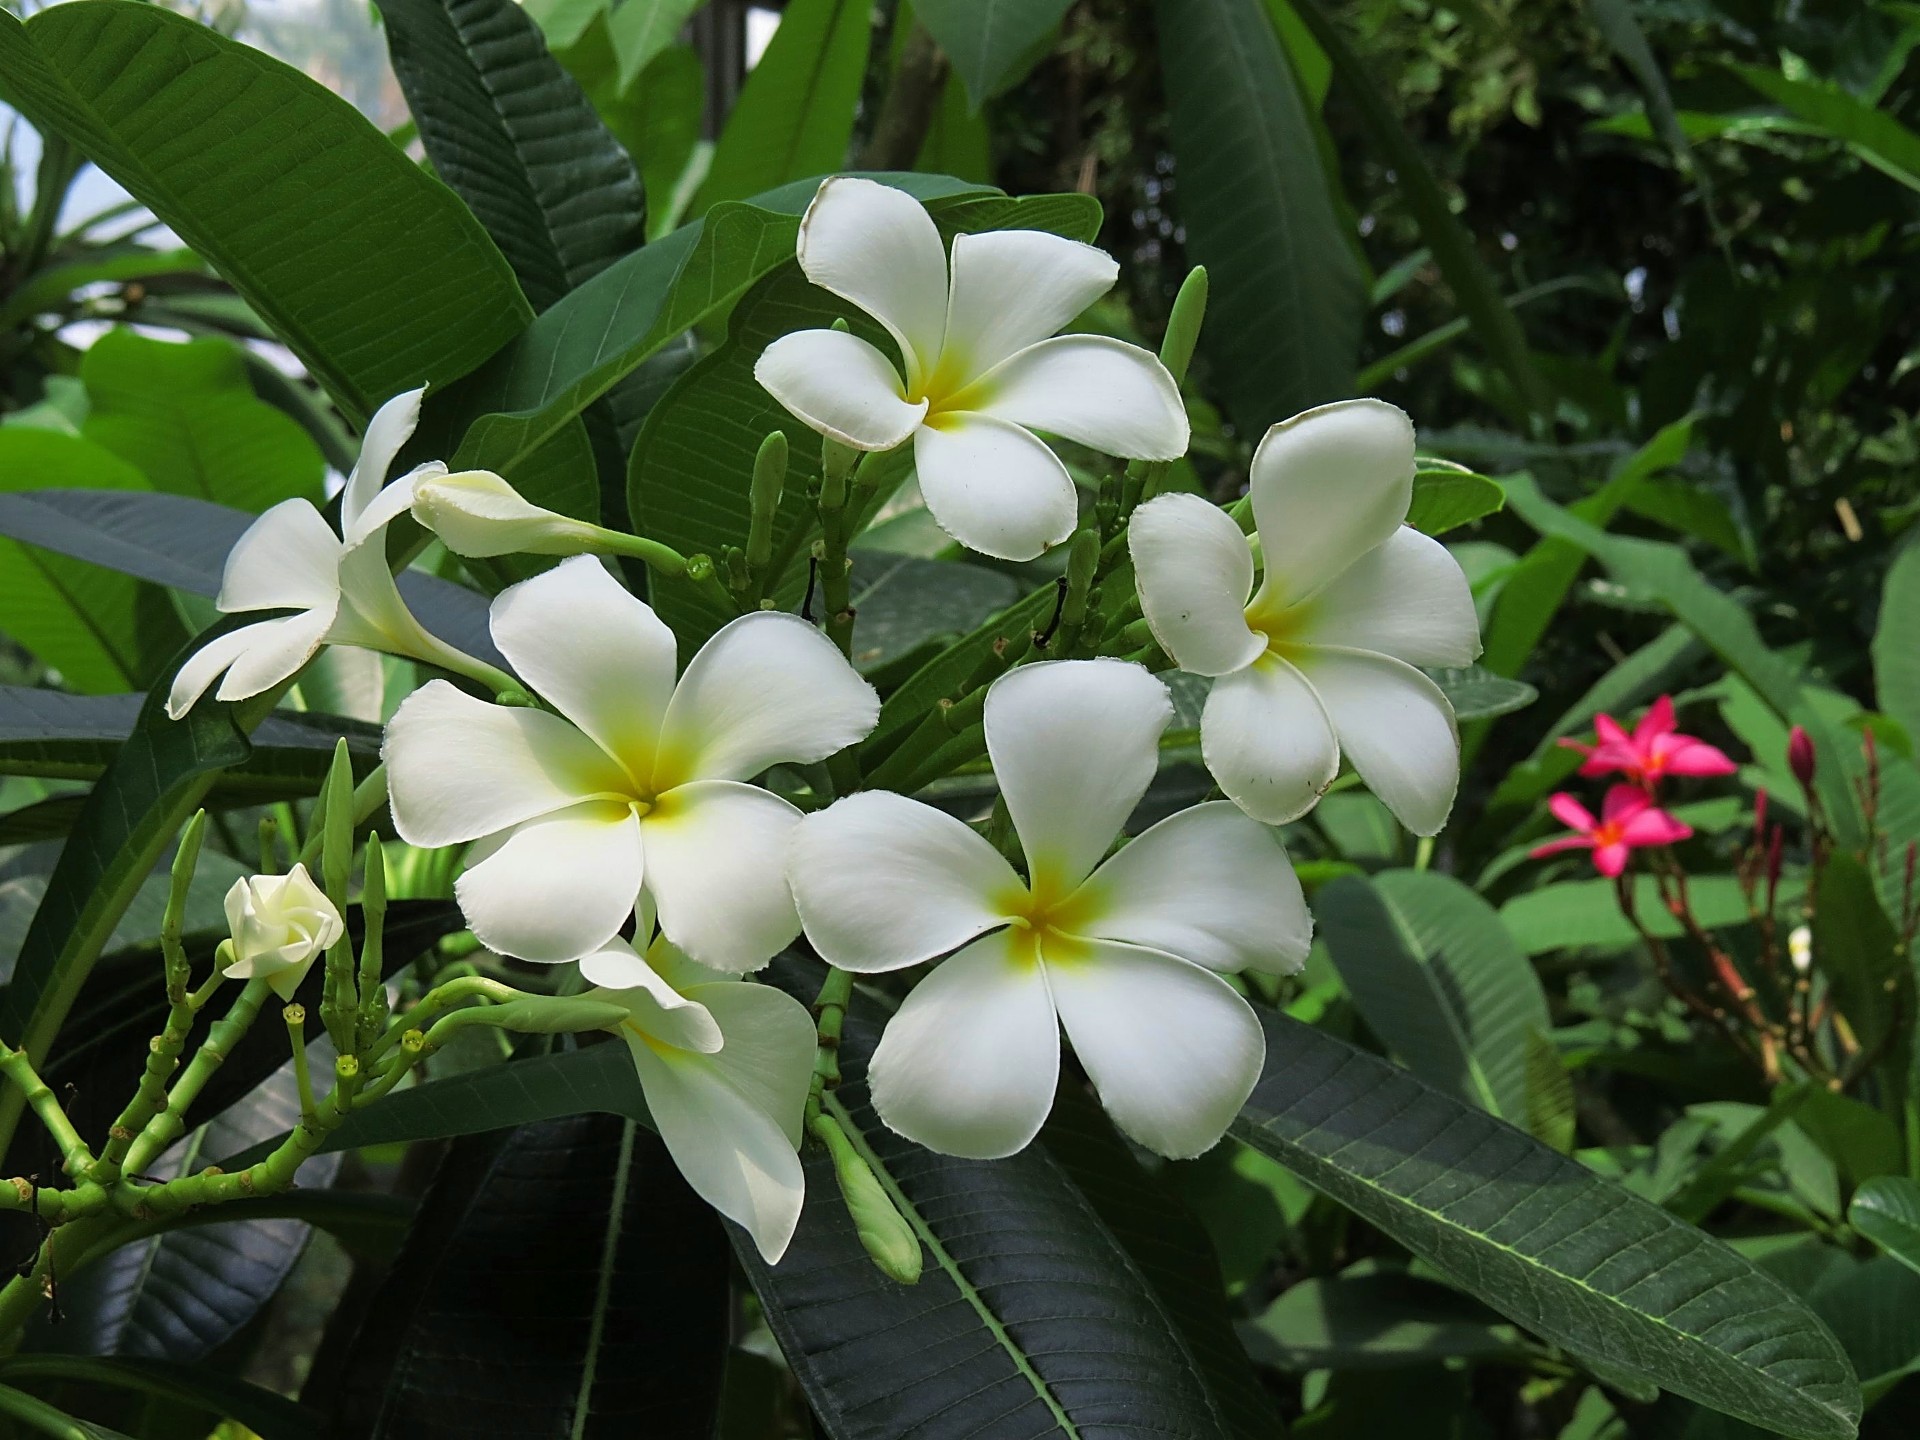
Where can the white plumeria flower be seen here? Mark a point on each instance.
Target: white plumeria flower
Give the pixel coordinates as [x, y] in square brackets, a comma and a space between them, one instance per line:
[279, 924]
[981, 372]
[1321, 659]
[478, 514]
[341, 589]
[1123, 954]
[725, 1065]
[635, 782]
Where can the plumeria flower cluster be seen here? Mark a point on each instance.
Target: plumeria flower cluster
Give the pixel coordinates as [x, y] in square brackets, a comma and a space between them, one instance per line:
[611, 797]
[1630, 816]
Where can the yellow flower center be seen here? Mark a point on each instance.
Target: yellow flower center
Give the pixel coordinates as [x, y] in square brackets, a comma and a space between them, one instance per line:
[1280, 626]
[1054, 916]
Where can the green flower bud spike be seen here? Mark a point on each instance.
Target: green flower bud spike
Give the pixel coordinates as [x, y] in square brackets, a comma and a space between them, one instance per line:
[339, 1002]
[884, 1233]
[373, 912]
[769, 479]
[1176, 353]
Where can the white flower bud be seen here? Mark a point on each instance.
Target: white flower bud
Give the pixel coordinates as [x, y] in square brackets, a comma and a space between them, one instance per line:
[280, 924]
[477, 514]
[1800, 948]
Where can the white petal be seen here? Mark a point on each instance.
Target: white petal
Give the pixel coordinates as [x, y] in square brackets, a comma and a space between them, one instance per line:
[1397, 728]
[717, 869]
[1266, 739]
[841, 386]
[478, 514]
[389, 504]
[994, 487]
[655, 1009]
[882, 881]
[731, 1120]
[1075, 743]
[594, 652]
[878, 247]
[275, 652]
[766, 689]
[1327, 486]
[288, 559]
[1407, 598]
[390, 428]
[1194, 570]
[1012, 288]
[459, 768]
[205, 665]
[557, 887]
[1173, 1051]
[969, 1063]
[373, 615]
[1104, 393]
[1209, 885]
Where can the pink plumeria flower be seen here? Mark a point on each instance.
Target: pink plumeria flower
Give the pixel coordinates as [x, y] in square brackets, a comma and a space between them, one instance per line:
[1652, 752]
[1629, 821]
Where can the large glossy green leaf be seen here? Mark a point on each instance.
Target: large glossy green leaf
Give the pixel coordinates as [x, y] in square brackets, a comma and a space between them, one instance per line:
[689, 477]
[795, 114]
[1896, 658]
[1574, 1258]
[1283, 321]
[1379, 1320]
[98, 631]
[515, 137]
[1585, 913]
[604, 329]
[561, 1279]
[1454, 250]
[267, 1414]
[1029, 1318]
[903, 603]
[1863, 960]
[186, 416]
[1445, 499]
[1657, 573]
[182, 542]
[374, 273]
[986, 39]
[1887, 1211]
[1436, 976]
[645, 29]
[1874, 135]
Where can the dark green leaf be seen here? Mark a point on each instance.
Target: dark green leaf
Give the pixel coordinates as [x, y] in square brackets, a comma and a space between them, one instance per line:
[1283, 321]
[1896, 658]
[986, 39]
[1476, 693]
[1585, 913]
[1574, 1258]
[515, 137]
[644, 29]
[561, 1280]
[1377, 1320]
[795, 113]
[44, 1419]
[1861, 956]
[903, 603]
[578, 348]
[1445, 499]
[1887, 1212]
[1436, 976]
[374, 274]
[267, 1415]
[187, 417]
[1875, 136]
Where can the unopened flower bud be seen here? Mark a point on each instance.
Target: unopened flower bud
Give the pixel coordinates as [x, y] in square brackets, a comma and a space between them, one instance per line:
[1800, 755]
[280, 924]
[1800, 948]
[477, 514]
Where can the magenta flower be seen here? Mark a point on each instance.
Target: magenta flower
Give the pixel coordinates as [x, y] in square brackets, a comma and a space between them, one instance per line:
[1629, 820]
[1652, 752]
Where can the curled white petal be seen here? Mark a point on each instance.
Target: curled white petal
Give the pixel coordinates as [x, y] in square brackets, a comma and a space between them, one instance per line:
[287, 559]
[555, 887]
[1101, 392]
[877, 246]
[390, 428]
[656, 1010]
[993, 486]
[841, 386]
[1397, 728]
[1194, 570]
[1407, 598]
[275, 651]
[1012, 288]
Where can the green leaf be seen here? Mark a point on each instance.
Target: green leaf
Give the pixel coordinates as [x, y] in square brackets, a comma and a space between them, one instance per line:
[1476, 693]
[795, 113]
[562, 1280]
[372, 272]
[1653, 572]
[903, 603]
[1454, 250]
[1445, 499]
[1860, 954]
[1615, 20]
[181, 542]
[1436, 976]
[1861, 1142]
[45, 1419]
[1283, 329]
[1373, 1321]
[656, 117]
[986, 39]
[603, 330]
[1552, 1111]
[1887, 1212]
[688, 479]
[644, 29]
[516, 138]
[186, 416]
[1581, 914]
[1875, 136]
[1030, 1318]
[99, 631]
[1896, 658]
[266, 1414]
[1574, 1258]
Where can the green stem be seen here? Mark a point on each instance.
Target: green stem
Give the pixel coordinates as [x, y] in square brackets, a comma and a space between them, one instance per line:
[227, 1032]
[439, 1000]
[296, 1018]
[76, 1158]
[830, 1013]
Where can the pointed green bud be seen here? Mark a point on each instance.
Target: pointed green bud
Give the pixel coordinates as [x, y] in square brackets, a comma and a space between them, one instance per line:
[769, 479]
[336, 826]
[887, 1237]
[1183, 323]
[186, 860]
